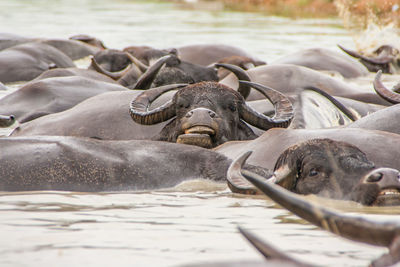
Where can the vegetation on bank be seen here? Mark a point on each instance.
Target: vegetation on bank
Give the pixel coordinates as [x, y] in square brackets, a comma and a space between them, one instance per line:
[358, 12]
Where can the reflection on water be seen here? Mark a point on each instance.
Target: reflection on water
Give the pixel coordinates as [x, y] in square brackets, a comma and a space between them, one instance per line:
[194, 222]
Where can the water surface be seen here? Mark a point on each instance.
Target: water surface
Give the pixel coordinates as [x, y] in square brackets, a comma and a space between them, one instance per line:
[196, 222]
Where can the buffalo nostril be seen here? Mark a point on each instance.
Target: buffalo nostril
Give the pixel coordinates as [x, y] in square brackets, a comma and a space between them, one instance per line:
[375, 177]
[211, 113]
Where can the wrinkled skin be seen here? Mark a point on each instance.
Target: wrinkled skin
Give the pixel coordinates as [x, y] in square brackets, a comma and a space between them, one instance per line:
[84, 164]
[43, 97]
[327, 60]
[25, 62]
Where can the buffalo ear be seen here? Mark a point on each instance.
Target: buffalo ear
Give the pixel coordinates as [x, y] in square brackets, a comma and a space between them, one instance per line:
[286, 168]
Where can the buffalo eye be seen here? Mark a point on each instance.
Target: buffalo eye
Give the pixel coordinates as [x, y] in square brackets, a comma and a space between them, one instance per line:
[232, 107]
[313, 172]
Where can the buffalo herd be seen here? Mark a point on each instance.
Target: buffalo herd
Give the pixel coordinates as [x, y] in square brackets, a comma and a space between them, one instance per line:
[143, 118]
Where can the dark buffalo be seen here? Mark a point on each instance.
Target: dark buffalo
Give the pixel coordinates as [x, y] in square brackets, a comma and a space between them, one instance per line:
[326, 60]
[355, 228]
[208, 114]
[205, 113]
[25, 62]
[166, 68]
[336, 170]
[382, 148]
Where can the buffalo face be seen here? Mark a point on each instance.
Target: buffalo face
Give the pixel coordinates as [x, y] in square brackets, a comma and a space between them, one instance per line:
[208, 114]
[337, 170]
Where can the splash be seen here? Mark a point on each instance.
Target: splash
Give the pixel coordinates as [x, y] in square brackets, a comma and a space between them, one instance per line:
[371, 23]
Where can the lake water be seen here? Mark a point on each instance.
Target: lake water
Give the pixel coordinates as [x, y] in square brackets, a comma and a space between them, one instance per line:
[195, 222]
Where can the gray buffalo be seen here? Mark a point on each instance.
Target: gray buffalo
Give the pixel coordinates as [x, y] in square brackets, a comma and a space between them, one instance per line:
[326, 60]
[86, 164]
[26, 61]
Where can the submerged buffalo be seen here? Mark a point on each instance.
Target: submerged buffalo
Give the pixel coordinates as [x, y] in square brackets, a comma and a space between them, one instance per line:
[86, 164]
[335, 170]
[386, 234]
[208, 114]
[204, 114]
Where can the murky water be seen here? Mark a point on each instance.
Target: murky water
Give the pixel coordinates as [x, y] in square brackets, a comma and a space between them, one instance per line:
[196, 222]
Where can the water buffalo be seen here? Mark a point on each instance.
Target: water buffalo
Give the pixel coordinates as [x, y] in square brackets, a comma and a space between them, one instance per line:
[325, 59]
[380, 147]
[208, 114]
[219, 114]
[165, 69]
[27, 61]
[335, 170]
[386, 119]
[352, 227]
[86, 164]
[206, 54]
[291, 79]
[75, 47]
[43, 97]
[385, 58]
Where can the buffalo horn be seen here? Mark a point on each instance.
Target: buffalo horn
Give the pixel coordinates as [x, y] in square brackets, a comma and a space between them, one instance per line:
[384, 92]
[377, 61]
[351, 227]
[113, 75]
[148, 77]
[139, 108]
[283, 109]
[241, 74]
[268, 251]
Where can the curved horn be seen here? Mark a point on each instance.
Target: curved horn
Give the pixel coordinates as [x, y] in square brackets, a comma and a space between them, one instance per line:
[334, 101]
[236, 182]
[283, 109]
[378, 60]
[113, 75]
[6, 121]
[384, 92]
[139, 108]
[142, 67]
[148, 77]
[241, 74]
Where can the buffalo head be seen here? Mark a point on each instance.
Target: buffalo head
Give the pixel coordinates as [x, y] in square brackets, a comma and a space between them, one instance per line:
[335, 170]
[208, 114]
